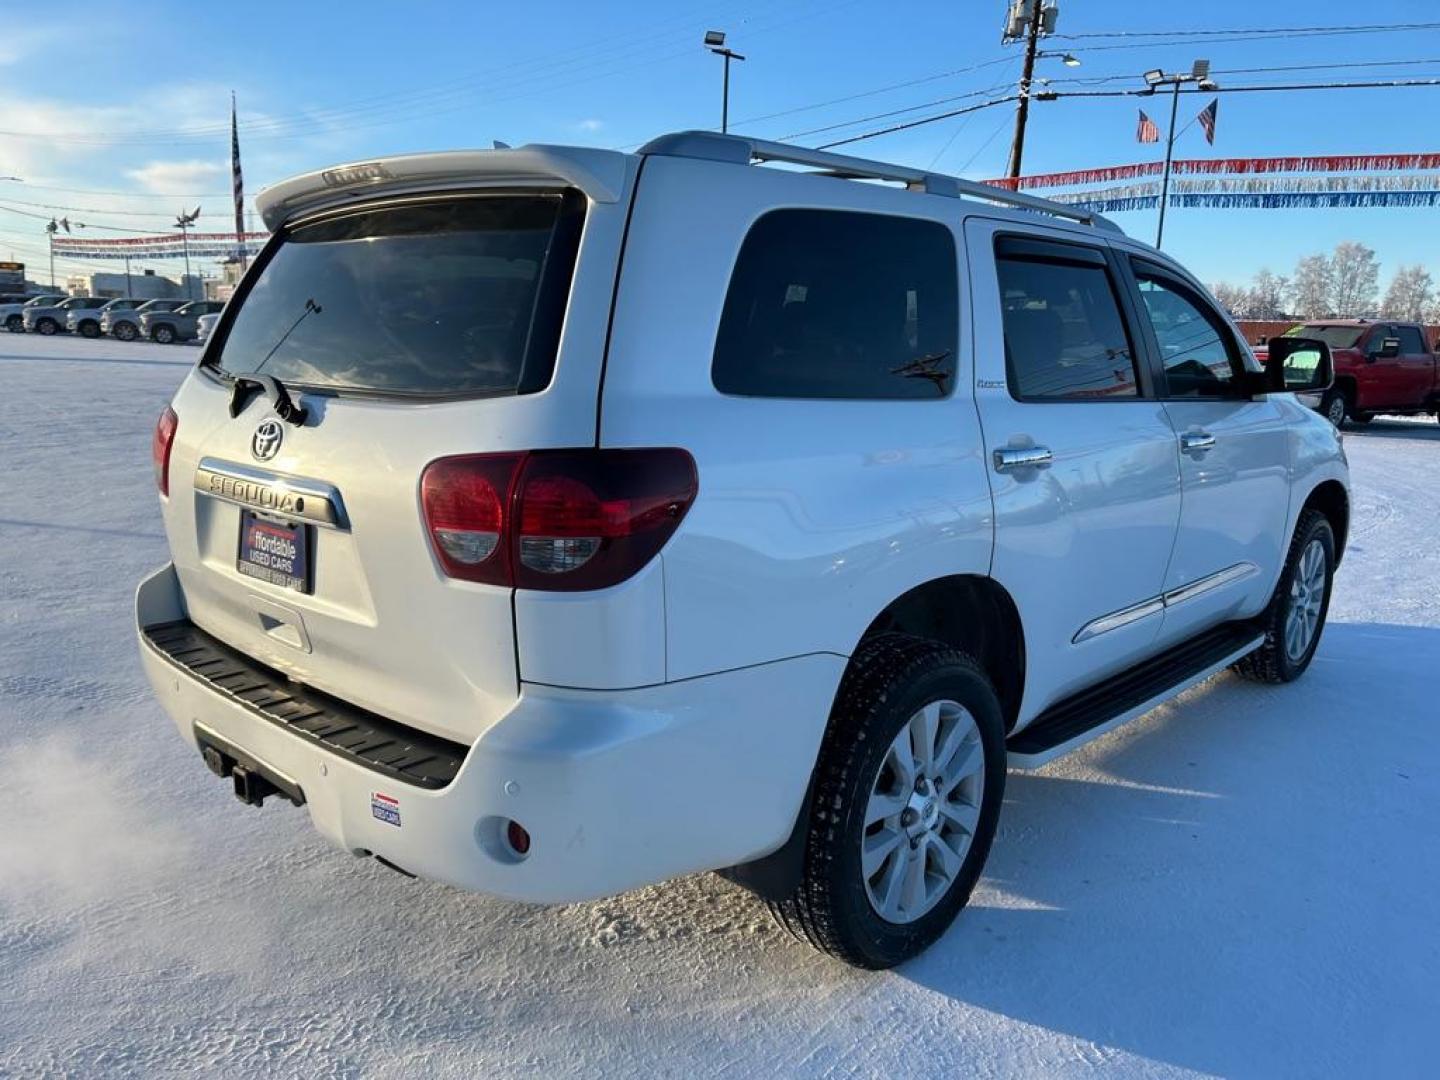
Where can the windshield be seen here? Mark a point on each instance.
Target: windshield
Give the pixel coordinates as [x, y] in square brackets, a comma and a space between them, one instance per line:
[74, 301]
[42, 301]
[154, 305]
[1337, 337]
[460, 296]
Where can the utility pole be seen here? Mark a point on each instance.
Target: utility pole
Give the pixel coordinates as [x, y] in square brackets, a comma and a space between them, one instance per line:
[129, 288]
[1029, 11]
[183, 221]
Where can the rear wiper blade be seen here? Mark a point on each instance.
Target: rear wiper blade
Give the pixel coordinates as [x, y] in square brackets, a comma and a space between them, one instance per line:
[280, 399]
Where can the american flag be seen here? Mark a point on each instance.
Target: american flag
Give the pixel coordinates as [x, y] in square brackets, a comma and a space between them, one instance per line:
[237, 178]
[1146, 131]
[1207, 120]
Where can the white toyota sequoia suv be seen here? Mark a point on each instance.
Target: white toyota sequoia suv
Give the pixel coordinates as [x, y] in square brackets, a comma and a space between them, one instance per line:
[555, 521]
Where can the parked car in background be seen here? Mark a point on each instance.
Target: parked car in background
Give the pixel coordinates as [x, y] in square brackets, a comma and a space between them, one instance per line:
[767, 555]
[1381, 366]
[54, 319]
[86, 321]
[12, 315]
[181, 324]
[205, 326]
[124, 324]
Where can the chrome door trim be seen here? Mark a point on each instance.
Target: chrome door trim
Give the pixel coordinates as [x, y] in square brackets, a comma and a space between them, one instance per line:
[1228, 576]
[313, 501]
[1135, 612]
[1117, 619]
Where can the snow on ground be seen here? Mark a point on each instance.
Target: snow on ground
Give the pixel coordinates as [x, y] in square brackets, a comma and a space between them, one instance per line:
[1243, 882]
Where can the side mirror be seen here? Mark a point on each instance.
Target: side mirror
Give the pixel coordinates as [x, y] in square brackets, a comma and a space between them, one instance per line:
[1389, 346]
[1298, 365]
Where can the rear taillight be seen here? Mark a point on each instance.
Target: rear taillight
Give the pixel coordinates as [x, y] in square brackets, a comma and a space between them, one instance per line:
[555, 519]
[160, 444]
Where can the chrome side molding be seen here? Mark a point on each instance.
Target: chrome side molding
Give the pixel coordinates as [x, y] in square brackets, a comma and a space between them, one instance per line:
[314, 501]
[1156, 604]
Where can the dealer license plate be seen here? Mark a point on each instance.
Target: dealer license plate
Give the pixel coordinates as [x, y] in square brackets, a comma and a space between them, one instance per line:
[274, 551]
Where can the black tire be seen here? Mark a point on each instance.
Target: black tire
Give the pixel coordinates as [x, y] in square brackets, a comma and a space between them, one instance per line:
[15, 324]
[124, 331]
[47, 327]
[1335, 406]
[164, 334]
[889, 679]
[90, 328]
[1272, 662]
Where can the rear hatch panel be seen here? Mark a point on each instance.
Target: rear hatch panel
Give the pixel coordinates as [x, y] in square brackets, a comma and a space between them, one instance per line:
[382, 627]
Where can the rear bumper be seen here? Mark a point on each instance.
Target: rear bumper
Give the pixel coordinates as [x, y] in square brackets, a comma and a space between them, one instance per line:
[617, 789]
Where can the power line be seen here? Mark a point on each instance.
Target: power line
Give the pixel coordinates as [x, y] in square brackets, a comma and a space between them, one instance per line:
[1367, 28]
[1367, 85]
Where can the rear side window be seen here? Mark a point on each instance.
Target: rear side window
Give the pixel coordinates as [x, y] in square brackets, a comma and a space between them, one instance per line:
[835, 304]
[460, 296]
[1410, 340]
[1064, 335]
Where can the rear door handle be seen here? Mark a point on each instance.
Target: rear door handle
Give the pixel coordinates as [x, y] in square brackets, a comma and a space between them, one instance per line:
[1195, 442]
[1029, 457]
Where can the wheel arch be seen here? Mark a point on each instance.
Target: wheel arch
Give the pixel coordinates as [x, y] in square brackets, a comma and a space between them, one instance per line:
[1330, 498]
[970, 612]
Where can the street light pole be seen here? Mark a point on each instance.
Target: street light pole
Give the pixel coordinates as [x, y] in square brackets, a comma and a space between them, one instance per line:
[1199, 73]
[715, 42]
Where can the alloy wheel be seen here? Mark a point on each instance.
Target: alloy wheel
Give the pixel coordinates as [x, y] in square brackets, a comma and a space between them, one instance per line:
[1335, 411]
[1307, 597]
[922, 813]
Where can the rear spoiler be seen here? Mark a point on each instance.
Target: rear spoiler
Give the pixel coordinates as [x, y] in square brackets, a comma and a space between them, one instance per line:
[601, 174]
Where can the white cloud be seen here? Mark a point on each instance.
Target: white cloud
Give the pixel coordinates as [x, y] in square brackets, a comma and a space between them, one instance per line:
[590, 125]
[176, 177]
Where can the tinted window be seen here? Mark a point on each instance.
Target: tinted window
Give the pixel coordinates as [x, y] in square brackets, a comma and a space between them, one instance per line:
[831, 304]
[462, 296]
[1194, 344]
[1064, 337]
[1337, 337]
[1410, 340]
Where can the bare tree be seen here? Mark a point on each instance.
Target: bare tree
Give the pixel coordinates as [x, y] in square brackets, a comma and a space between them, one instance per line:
[1233, 298]
[1311, 287]
[1409, 294]
[1267, 295]
[1354, 278]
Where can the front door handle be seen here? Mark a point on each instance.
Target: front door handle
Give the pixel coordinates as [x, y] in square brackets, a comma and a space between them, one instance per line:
[1196, 442]
[1028, 457]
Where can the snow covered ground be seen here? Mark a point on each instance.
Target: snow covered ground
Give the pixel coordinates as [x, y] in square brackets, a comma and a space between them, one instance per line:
[1245, 882]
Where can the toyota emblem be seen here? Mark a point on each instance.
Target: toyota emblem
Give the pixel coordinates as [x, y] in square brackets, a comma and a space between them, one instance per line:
[265, 443]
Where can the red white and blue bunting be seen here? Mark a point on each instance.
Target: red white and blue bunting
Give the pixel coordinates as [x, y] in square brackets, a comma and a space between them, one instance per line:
[1246, 183]
[166, 246]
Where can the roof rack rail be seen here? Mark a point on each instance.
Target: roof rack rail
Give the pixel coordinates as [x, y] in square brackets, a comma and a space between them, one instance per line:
[742, 150]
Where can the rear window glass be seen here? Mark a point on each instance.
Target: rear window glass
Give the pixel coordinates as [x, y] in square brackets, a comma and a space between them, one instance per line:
[834, 304]
[460, 296]
[1337, 337]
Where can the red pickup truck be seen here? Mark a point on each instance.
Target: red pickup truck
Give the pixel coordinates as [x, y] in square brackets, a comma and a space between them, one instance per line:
[1380, 367]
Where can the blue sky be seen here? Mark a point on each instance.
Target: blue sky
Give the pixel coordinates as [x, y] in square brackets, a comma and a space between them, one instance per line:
[130, 113]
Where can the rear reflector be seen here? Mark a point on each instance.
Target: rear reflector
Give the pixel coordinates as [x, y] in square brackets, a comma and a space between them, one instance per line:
[555, 519]
[160, 445]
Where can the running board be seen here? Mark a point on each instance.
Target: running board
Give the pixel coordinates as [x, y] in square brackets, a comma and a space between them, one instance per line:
[1073, 722]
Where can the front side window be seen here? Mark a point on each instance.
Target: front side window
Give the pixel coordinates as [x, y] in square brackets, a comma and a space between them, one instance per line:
[446, 296]
[1194, 345]
[1064, 335]
[836, 304]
